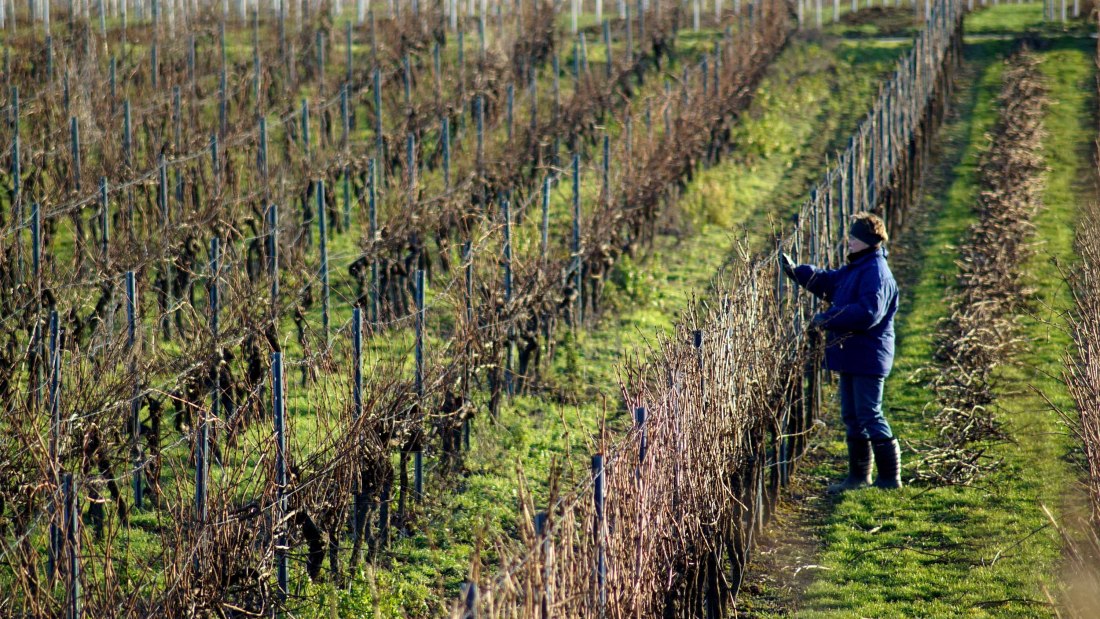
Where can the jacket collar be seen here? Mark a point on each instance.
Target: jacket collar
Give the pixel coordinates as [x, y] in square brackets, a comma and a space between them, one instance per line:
[863, 255]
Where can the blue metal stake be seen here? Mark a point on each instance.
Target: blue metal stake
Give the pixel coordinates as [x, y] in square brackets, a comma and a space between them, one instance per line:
[577, 238]
[507, 214]
[104, 219]
[323, 228]
[545, 217]
[273, 254]
[511, 96]
[418, 455]
[74, 133]
[446, 144]
[282, 567]
[135, 400]
[305, 126]
[380, 155]
[372, 214]
[599, 485]
[74, 601]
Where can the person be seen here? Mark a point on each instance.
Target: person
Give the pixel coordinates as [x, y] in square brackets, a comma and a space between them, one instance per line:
[859, 346]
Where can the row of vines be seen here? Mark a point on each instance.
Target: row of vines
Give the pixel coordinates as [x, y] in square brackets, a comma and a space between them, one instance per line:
[1082, 376]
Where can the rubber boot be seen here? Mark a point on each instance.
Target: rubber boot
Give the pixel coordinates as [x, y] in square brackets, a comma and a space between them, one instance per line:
[888, 461]
[859, 466]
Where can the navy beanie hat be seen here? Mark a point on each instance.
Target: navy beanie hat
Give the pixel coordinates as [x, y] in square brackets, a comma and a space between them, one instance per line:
[863, 230]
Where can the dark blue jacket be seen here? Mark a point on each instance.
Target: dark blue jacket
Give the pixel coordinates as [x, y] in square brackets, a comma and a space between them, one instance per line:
[863, 299]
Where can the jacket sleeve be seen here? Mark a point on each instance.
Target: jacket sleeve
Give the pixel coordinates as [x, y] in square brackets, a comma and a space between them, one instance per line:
[867, 311]
[820, 282]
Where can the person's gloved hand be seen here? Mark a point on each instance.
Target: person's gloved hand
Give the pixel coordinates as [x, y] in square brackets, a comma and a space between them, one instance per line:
[787, 264]
[818, 321]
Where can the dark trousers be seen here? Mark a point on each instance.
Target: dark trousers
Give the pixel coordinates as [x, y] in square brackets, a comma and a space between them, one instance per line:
[861, 406]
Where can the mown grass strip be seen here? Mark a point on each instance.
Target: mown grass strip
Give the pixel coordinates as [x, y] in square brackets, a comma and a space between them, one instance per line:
[983, 550]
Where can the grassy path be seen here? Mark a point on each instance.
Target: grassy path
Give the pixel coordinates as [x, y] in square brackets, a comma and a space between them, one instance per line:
[984, 550]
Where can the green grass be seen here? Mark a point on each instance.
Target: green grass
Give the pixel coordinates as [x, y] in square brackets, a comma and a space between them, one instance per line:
[1014, 18]
[1006, 18]
[984, 550]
